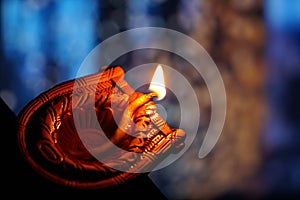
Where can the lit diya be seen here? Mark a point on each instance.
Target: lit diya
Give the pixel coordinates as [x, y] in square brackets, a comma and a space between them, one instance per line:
[49, 127]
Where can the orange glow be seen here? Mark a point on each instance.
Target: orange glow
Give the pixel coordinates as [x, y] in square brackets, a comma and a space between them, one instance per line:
[157, 84]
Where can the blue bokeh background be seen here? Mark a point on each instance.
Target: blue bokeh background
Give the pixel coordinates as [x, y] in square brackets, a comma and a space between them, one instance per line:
[43, 43]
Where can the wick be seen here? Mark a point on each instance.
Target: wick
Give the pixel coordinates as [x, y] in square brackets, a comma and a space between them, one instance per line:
[152, 95]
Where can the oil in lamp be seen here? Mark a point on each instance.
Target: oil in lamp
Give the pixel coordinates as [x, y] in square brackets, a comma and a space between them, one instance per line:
[49, 138]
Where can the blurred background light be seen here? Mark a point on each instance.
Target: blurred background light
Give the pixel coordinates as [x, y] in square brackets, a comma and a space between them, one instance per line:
[42, 45]
[255, 44]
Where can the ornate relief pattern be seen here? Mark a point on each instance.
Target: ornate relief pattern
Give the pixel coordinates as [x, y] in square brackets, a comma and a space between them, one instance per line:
[49, 141]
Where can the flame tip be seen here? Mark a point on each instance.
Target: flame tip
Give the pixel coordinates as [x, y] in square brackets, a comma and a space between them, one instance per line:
[157, 84]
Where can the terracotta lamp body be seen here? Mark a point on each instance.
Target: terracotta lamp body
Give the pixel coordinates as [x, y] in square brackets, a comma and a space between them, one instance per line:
[48, 137]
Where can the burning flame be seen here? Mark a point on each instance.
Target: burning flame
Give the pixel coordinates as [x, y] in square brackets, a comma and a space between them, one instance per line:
[157, 84]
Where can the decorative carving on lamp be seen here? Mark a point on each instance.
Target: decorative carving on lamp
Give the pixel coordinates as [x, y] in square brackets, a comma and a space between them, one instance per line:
[49, 140]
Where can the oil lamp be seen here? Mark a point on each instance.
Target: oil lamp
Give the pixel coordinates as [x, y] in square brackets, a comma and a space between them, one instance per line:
[49, 127]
